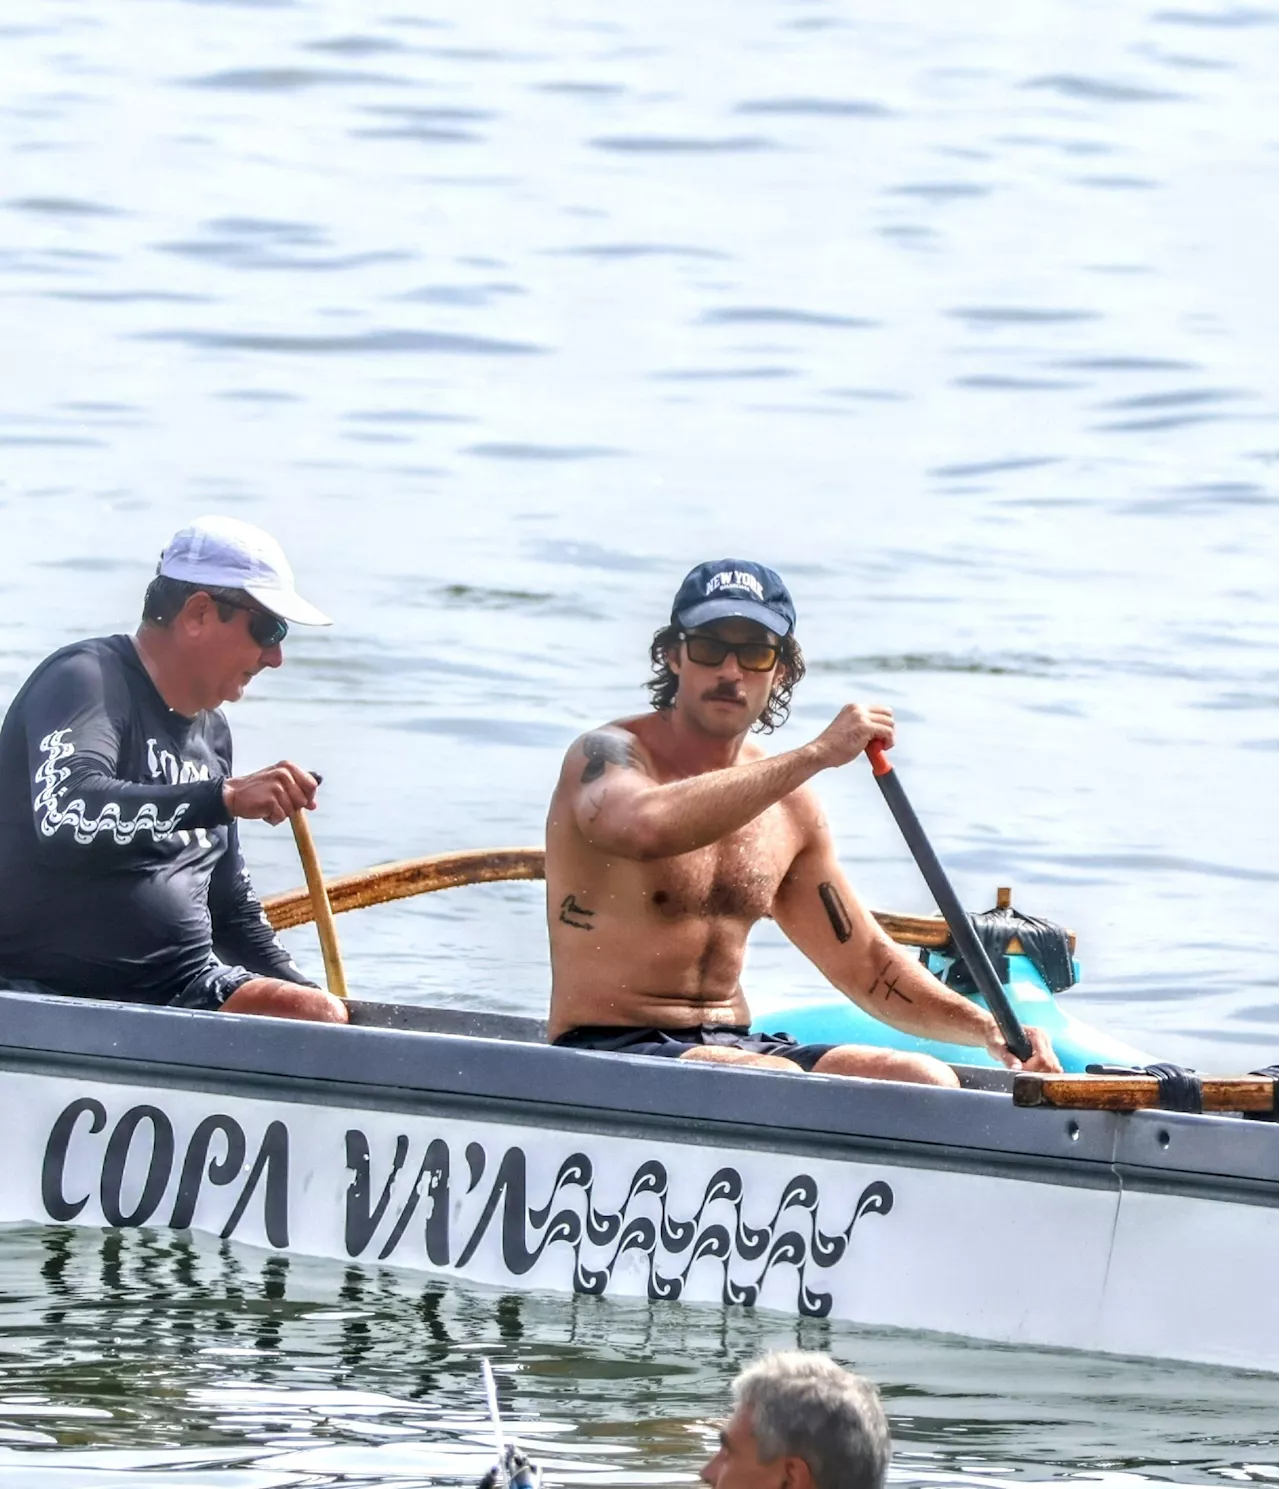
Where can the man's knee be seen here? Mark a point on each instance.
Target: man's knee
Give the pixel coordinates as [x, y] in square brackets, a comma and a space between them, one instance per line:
[886, 1065]
[286, 1000]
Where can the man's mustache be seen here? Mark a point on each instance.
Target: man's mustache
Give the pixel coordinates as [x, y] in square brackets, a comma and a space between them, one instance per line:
[724, 694]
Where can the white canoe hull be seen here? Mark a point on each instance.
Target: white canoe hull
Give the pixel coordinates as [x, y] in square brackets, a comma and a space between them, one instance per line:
[910, 1238]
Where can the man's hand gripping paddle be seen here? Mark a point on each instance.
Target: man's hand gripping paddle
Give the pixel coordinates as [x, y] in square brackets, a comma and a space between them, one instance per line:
[962, 932]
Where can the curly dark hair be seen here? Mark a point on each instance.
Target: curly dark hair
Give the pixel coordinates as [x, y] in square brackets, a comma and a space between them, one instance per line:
[663, 685]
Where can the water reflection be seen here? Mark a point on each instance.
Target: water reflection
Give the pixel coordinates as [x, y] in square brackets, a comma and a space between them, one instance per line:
[139, 1343]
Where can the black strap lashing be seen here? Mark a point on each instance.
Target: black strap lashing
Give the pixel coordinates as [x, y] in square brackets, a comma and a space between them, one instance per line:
[1046, 945]
[1180, 1089]
[1273, 1073]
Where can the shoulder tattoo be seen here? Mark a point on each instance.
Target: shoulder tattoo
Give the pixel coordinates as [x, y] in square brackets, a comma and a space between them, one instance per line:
[607, 747]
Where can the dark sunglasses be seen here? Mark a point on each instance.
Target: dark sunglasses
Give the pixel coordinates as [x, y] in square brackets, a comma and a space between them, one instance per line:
[266, 629]
[710, 651]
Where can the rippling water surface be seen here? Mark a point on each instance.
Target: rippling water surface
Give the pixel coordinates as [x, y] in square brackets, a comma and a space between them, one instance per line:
[136, 1359]
[501, 317]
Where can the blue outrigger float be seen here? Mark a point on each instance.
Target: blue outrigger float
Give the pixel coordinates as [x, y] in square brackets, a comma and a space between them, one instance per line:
[835, 1020]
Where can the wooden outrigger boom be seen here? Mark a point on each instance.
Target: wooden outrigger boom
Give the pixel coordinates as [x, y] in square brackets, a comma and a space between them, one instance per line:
[1141, 1092]
[413, 876]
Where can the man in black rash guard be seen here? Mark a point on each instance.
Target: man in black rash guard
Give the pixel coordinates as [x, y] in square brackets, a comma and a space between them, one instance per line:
[121, 875]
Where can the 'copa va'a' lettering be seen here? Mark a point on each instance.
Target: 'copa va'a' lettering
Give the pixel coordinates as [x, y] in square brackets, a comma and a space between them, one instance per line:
[270, 1168]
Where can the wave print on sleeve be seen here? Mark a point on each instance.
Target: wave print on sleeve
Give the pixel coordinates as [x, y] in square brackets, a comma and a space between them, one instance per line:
[50, 816]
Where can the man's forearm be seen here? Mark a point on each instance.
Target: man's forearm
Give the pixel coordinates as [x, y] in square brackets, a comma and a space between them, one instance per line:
[683, 815]
[901, 991]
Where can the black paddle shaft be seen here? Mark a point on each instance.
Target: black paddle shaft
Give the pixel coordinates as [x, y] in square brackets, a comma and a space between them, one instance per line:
[963, 934]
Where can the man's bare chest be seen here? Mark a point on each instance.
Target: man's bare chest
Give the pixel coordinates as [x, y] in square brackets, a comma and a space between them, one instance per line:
[736, 878]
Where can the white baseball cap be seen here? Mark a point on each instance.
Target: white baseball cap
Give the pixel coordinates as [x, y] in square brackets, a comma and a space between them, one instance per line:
[232, 554]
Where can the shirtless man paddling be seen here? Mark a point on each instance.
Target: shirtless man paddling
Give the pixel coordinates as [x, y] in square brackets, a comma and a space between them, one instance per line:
[671, 833]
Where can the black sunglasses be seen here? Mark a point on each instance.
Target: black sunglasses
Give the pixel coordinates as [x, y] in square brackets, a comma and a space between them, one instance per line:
[266, 629]
[710, 651]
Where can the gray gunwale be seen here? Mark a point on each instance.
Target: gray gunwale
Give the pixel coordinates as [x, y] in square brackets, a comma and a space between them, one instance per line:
[484, 1076]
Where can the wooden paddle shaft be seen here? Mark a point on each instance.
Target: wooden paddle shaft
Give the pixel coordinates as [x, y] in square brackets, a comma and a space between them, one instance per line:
[1129, 1093]
[321, 909]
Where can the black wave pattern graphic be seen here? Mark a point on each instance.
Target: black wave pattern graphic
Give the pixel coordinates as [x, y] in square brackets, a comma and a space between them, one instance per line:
[689, 1241]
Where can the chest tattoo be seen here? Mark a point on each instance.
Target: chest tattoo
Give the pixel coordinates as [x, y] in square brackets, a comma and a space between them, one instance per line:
[574, 914]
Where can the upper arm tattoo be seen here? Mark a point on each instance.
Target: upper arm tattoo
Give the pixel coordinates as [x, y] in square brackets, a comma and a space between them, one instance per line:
[836, 912]
[607, 747]
[883, 982]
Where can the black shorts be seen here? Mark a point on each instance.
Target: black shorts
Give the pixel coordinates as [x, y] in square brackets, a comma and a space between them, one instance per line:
[672, 1043]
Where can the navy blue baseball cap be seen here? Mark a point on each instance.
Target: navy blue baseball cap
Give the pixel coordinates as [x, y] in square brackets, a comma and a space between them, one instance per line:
[734, 589]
